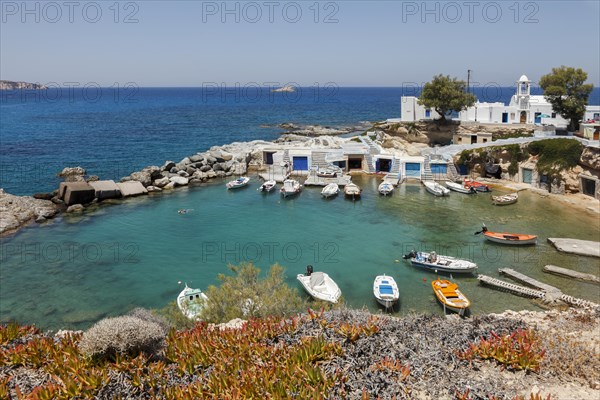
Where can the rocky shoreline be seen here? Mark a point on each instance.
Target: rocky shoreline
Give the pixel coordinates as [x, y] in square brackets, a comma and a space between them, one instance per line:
[79, 191]
[11, 85]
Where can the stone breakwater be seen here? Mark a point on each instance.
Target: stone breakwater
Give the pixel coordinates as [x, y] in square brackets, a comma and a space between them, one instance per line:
[79, 191]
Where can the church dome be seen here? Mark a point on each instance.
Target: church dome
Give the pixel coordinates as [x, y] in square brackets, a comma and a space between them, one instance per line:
[523, 78]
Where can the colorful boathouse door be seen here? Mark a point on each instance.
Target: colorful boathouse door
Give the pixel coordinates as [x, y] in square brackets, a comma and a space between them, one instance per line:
[413, 170]
[300, 163]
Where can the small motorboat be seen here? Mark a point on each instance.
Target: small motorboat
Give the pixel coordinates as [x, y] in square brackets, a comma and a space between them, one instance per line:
[267, 186]
[457, 187]
[191, 302]
[386, 290]
[436, 189]
[352, 190]
[439, 263]
[327, 174]
[508, 238]
[238, 183]
[480, 187]
[505, 199]
[451, 298]
[290, 187]
[330, 190]
[320, 286]
[385, 188]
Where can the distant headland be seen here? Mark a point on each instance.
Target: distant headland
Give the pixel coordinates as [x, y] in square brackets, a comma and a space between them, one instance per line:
[11, 85]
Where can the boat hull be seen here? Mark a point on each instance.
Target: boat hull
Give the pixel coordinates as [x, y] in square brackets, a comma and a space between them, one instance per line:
[511, 239]
[327, 291]
[436, 189]
[386, 291]
[448, 295]
[188, 302]
[458, 188]
[441, 268]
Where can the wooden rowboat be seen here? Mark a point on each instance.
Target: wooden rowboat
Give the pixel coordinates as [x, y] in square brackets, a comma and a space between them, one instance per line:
[508, 238]
[450, 297]
[505, 199]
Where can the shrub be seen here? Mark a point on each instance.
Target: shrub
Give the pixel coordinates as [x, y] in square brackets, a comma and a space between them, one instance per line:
[151, 316]
[124, 335]
[244, 295]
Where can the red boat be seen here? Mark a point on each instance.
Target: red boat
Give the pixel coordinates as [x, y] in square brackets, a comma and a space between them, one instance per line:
[480, 187]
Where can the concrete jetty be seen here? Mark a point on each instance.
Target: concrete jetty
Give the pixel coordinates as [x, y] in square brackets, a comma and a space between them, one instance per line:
[314, 180]
[553, 269]
[576, 246]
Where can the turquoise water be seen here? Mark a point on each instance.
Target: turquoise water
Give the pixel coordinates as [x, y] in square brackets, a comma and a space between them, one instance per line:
[75, 270]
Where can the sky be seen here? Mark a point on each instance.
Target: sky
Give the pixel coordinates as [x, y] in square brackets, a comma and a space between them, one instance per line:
[347, 43]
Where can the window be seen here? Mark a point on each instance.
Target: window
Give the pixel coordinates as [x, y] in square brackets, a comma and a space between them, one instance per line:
[553, 115]
[459, 139]
[427, 113]
[484, 140]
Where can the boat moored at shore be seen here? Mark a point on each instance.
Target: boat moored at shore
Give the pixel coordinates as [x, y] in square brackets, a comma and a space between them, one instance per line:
[386, 291]
[319, 285]
[505, 199]
[436, 189]
[191, 302]
[290, 187]
[450, 297]
[438, 263]
[330, 190]
[238, 183]
[508, 238]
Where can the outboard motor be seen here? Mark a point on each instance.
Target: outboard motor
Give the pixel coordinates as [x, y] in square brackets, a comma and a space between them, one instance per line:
[309, 270]
[412, 254]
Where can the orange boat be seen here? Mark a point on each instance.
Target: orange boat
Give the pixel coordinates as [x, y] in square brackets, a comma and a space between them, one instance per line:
[480, 187]
[451, 298]
[508, 238]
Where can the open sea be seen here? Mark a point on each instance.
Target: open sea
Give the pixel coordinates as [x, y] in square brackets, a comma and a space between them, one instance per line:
[74, 270]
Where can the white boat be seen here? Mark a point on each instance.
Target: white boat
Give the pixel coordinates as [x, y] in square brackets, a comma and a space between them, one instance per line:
[436, 189]
[290, 187]
[439, 263]
[191, 302]
[320, 286]
[330, 190]
[505, 199]
[385, 188]
[386, 290]
[238, 183]
[267, 186]
[327, 174]
[352, 190]
[457, 187]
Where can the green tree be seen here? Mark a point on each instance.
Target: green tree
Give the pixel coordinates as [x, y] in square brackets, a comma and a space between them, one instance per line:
[566, 90]
[445, 94]
[244, 295]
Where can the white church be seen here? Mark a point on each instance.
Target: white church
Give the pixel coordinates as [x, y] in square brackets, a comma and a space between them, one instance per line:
[523, 108]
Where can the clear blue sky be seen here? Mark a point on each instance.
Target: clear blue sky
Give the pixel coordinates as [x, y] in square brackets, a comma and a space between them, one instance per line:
[373, 43]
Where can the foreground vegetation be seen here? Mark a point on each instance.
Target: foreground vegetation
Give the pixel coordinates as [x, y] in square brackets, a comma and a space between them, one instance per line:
[316, 355]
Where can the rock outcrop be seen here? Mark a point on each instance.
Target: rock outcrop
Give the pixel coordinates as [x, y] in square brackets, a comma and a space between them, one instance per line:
[16, 211]
[12, 85]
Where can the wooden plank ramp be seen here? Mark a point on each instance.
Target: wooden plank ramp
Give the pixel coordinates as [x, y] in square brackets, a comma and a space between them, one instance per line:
[526, 280]
[553, 269]
[510, 287]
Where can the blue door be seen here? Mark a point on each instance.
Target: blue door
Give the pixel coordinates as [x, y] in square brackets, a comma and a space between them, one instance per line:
[300, 163]
[439, 169]
[504, 118]
[527, 175]
[269, 158]
[413, 170]
[538, 118]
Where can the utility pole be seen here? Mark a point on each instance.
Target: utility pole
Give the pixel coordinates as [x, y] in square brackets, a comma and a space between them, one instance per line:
[468, 81]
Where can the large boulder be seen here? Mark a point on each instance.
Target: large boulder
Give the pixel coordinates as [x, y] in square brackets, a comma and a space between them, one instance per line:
[179, 180]
[141, 176]
[210, 160]
[590, 157]
[217, 167]
[196, 158]
[162, 182]
[76, 192]
[154, 171]
[168, 165]
[72, 174]
[226, 156]
[205, 168]
[105, 189]
[132, 188]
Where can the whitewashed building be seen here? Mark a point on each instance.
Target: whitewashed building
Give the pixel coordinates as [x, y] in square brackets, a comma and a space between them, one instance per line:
[524, 108]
